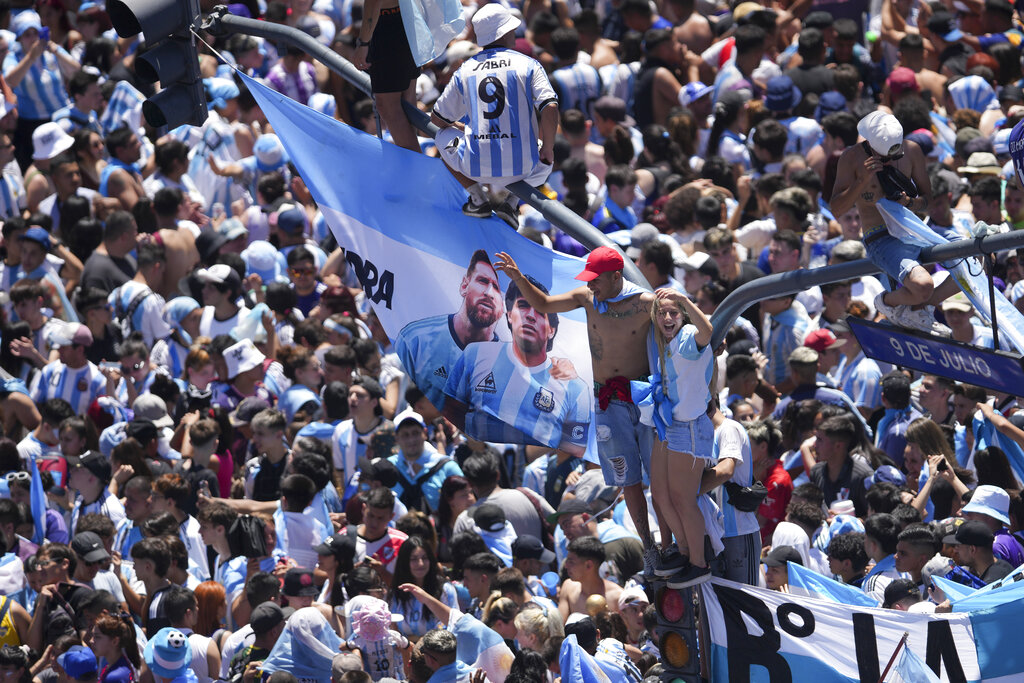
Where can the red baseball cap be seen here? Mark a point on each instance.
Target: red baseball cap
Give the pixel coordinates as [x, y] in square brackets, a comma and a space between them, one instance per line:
[902, 79]
[601, 260]
[820, 340]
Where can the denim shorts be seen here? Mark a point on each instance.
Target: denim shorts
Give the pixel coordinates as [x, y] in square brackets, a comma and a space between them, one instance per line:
[696, 437]
[897, 258]
[623, 444]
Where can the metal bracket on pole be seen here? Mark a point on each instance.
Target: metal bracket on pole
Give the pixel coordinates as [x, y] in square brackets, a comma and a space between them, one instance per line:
[221, 22]
[799, 280]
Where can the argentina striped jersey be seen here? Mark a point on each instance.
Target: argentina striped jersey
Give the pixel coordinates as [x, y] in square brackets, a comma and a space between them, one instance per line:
[499, 93]
[76, 386]
[577, 85]
[508, 402]
[428, 350]
[41, 92]
[731, 441]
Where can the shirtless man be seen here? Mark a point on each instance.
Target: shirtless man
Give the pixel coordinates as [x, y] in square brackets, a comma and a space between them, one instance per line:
[857, 184]
[912, 56]
[582, 562]
[618, 319]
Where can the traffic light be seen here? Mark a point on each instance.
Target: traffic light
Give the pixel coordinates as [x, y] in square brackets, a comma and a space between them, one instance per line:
[677, 630]
[171, 58]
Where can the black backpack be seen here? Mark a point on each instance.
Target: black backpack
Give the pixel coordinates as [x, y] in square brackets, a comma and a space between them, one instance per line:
[412, 491]
[247, 537]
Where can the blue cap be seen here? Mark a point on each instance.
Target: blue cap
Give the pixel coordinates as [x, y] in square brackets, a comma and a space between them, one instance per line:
[79, 663]
[692, 92]
[269, 152]
[830, 102]
[37, 234]
[291, 218]
[885, 473]
[782, 94]
[845, 524]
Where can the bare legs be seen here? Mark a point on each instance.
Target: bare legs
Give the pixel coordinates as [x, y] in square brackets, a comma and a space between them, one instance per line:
[675, 481]
[389, 105]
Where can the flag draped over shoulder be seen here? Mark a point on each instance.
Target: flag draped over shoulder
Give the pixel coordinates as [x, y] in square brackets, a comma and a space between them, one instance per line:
[480, 647]
[577, 665]
[497, 369]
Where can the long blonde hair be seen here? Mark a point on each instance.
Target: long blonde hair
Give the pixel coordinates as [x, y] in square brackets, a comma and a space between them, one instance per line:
[540, 623]
[659, 338]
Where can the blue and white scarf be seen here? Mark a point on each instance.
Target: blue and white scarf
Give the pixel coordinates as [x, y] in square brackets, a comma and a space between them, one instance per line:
[628, 289]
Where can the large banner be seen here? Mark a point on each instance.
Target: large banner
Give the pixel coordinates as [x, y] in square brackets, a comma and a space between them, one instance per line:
[500, 370]
[761, 635]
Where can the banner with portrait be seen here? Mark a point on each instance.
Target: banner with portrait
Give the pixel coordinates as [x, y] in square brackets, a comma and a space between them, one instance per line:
[492, 364]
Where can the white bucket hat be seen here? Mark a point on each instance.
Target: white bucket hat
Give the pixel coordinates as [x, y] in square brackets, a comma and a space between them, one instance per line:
[492, 22]
[49, 140]
[992, 501]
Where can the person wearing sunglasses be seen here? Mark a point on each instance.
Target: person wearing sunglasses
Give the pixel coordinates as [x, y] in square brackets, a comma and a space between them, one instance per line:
[302, 271]
[885, 166]
[137, 372]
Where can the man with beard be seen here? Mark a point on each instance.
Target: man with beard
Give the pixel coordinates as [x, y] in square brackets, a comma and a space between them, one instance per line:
[500, 392]
[430, 347]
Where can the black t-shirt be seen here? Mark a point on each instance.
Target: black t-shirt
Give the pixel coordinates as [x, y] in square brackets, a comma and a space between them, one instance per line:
[850, 483]
[812, 79]
[106, 272]
[193, 475]
[105, 348]
[999, 570]
[627, 556]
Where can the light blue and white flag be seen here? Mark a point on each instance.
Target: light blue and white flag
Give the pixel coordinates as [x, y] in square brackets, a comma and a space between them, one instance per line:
[577, 665]
[762, 635]
[480, 646]
[911, 669]
[953, 590]
[306, 648]
[816, 585]
[427, 271]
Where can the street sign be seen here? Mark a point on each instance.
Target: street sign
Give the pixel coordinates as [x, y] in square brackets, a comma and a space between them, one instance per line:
[997, 370]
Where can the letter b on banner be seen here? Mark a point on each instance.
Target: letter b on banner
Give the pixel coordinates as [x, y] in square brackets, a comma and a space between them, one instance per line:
[746, 650]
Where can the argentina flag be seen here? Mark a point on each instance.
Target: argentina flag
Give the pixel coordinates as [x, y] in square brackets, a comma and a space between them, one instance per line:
[496, 367]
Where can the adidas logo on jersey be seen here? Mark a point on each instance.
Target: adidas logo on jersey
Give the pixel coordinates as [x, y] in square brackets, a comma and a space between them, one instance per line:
[441, 372]
[487, 384]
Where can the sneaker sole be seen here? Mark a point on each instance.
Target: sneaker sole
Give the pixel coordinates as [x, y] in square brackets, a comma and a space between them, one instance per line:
[669, 571]
[508, 220]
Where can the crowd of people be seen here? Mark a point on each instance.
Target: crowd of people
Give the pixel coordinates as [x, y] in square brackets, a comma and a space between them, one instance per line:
[216, 467]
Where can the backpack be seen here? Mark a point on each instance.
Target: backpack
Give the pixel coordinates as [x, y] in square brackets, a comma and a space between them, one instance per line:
[412, 491]
[124, 318]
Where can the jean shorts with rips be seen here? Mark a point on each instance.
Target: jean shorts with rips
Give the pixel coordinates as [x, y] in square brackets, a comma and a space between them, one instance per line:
[623, 443]
[897, 258]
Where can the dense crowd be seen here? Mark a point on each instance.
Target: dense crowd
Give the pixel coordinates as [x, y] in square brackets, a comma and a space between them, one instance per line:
[216, 467]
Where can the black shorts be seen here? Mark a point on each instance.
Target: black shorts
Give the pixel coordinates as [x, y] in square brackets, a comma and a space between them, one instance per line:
[392, 67]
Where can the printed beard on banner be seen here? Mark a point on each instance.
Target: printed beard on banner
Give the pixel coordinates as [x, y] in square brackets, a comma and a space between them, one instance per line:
[498, 369]
[761, 635]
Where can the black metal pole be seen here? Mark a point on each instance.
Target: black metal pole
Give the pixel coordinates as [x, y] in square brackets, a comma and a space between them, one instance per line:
[221, 22]
[991, 262]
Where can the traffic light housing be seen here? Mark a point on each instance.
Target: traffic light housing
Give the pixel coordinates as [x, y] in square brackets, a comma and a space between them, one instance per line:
[677, 631]
[172, 57]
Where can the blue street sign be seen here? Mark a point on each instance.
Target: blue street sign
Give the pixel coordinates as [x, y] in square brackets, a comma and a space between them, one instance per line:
[995, 370]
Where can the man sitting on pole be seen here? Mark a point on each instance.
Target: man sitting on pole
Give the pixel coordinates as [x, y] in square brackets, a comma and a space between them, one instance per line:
[500, 91]
[887, 167]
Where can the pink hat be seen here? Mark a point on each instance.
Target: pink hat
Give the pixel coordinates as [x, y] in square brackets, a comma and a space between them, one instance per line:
[371, 620]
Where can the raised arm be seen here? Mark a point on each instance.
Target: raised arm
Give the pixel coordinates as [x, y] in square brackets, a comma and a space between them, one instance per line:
[541, 302]
[440, 610]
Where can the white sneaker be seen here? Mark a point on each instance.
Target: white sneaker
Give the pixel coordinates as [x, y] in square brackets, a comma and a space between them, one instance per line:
[885, 309]
[922, 319]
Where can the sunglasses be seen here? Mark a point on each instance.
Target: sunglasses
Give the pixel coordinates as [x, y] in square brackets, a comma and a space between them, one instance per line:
[129, 368]
[298, 272]
[892, 157]
[17, 476]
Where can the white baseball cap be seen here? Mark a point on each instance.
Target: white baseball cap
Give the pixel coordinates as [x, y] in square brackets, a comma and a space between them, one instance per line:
[242, 357]
[882, 131]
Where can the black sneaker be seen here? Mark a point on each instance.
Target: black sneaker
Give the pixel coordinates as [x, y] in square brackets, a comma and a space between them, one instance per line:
[672, 562]
[471, 208]
[652, 558]
[691, 576]
[507, 213]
